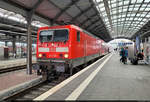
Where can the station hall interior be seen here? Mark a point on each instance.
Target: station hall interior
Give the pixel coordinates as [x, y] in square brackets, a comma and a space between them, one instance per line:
[74, 50]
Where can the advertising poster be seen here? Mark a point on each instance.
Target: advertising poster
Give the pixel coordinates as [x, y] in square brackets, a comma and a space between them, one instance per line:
[147, 51]
[137, 43]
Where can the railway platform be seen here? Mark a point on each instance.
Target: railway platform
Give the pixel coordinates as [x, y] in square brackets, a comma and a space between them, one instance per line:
[13, 77]
[16, 81]
[14, 62]
[105, 79]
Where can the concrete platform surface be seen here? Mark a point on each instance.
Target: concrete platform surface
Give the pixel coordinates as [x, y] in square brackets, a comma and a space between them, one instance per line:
[109, 79]
[117, 81]
[12, 79]
[11, 82]
[14, 62]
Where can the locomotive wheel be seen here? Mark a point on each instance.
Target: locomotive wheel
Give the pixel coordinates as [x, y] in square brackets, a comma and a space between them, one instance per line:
[44, 75]
[71, 71]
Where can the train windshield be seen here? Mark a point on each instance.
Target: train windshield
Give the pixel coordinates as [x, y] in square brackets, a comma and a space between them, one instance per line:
[54, 35]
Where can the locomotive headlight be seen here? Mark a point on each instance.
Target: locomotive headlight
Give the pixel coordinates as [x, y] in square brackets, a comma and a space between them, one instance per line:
[40, 55]
[66, 55]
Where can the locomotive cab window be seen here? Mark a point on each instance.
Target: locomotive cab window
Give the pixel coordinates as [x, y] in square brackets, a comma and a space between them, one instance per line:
[61, 35]
[78, 36]
[46, 36]
[53, 35]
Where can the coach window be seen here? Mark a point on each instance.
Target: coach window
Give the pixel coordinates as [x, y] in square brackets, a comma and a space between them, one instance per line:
[78, 36]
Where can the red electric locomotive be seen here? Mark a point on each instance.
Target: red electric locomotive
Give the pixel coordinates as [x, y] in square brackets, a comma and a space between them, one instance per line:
[62, 48]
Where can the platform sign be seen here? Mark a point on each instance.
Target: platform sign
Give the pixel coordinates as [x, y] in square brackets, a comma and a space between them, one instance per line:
[148, 50]
[124, 43]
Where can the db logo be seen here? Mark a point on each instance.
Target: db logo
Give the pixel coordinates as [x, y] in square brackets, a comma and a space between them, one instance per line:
[52, 49]
[52, 55]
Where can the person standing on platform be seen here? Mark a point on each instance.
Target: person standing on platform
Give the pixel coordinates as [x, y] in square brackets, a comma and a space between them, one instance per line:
[125, 55]
[121, 54]
[15, 54]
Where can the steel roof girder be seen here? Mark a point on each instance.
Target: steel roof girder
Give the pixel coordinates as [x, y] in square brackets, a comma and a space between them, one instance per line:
[52, 20]
[7, 5]
[147, 25]
[17, 33]
[14, 27]
[106, 5]
[143, 30]
[12, 6]
[137, 12]
[93, 23]
[125, 16]
[89, 18]
[36, 5]
[141, 35]
[82, 12]
[99, 27]
[65, 9]
[108, 35]
[97, 34]
[32, 11]
[96, 26]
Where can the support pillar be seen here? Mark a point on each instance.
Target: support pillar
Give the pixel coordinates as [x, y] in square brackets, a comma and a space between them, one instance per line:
[14, 44]
[20, 54]
[147, 40]
[29, 40]
[29, 44]
[6, 43]
[146, 50]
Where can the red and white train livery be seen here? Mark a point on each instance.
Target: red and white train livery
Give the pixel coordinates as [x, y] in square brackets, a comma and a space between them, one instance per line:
[62, 48]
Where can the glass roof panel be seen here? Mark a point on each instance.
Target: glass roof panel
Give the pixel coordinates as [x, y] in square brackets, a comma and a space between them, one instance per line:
[147, 9]
[133, 1]
[113, 5]
[126, 16]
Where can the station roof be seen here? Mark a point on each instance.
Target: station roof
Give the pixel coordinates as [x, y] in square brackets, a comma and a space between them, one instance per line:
[124, 17]
[82, 13]
[106, 19]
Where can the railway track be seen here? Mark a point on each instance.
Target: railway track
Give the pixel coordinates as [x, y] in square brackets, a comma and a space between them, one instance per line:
[14, 68]
[34, 91]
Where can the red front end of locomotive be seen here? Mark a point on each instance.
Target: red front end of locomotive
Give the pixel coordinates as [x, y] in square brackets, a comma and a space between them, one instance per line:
[53, 43]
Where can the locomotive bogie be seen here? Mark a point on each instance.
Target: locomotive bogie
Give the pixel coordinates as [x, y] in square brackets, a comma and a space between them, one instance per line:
[58, 67]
